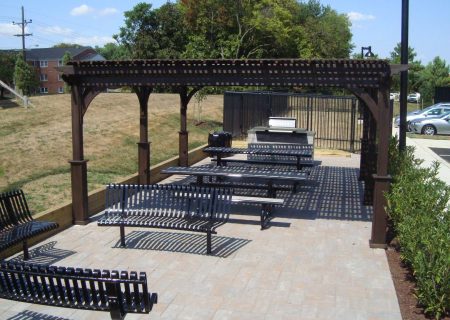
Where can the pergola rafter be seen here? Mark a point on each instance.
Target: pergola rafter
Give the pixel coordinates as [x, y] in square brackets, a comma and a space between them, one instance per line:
[369, 80]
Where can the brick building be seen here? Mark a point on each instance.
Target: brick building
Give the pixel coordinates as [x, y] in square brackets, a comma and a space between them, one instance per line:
[45, 60]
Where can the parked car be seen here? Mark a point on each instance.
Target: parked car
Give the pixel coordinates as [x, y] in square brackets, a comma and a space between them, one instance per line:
[433, 111]
[432, 126]
[394, 96]
[413, 97]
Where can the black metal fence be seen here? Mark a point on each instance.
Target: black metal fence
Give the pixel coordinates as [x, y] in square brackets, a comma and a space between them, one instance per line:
[336, 120]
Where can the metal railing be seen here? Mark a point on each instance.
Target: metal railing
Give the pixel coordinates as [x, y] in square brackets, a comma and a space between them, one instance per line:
[336, 120]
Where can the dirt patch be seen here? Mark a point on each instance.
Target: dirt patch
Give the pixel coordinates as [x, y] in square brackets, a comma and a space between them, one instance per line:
[404, 287]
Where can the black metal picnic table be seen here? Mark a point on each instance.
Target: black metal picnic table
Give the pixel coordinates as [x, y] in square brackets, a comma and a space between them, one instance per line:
[273, 150]
[269, 175]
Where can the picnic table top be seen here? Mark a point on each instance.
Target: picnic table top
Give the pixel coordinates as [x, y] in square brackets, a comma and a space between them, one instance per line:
[267, 151]
[238, 172]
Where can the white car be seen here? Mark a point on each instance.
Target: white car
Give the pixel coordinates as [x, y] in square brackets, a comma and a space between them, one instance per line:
[413, 97]
[394, 96]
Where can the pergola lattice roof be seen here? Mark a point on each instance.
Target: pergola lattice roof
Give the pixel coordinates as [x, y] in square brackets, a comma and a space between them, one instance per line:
[264, 72]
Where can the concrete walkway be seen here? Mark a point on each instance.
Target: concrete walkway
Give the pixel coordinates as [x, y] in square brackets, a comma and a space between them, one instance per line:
[314, 262]
[423, 151]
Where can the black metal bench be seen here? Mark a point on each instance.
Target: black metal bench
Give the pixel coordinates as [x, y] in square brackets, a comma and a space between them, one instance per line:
[117, 292]
[179, 207]
[16, 223]
[266, 206]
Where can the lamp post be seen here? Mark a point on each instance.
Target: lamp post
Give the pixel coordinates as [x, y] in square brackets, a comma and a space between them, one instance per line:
[404, 76]
[369, 53]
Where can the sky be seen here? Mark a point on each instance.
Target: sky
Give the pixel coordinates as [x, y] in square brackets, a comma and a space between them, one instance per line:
[375, 23]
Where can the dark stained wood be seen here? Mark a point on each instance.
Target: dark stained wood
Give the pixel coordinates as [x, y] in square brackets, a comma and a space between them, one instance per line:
[369, 80]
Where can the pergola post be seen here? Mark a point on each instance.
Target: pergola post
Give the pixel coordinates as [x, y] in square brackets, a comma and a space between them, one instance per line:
[143, 94]
[78, 165]
[371, 160]
[381, 179]
[183, 145]
[364, 143]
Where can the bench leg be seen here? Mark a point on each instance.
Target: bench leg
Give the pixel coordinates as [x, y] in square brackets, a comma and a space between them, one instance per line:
[208, 242]
[122, 236]
[26, 254]
[266, 212]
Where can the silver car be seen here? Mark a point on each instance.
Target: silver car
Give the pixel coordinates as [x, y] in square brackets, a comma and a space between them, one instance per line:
[431, 126]
[434, 111]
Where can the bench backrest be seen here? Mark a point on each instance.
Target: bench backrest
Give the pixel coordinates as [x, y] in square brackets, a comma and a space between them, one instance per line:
[13, 209]
[168, 200]
[117, 292]
[280, 146]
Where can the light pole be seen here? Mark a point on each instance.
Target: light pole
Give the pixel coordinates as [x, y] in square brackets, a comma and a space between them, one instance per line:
[404, 76]
[369, 53]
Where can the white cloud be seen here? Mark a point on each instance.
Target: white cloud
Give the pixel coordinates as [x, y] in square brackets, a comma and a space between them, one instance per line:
[357, 16]
[9, 29]
[90, 41]
[56, 30]
[81, 10]
[108, 11]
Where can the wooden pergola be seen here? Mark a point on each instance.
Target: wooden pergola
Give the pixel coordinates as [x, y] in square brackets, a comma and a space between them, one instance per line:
[369, 80]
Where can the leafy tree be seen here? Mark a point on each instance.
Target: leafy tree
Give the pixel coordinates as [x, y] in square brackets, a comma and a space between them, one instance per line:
[67, 45]
[65, 60]
[7, 63]
[113, 51]
[415, 67]
[25, 76]
[150, 34]
[435, 74]
[324, 32]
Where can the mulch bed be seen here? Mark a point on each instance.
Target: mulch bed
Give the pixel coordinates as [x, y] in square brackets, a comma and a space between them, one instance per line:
[404, 287]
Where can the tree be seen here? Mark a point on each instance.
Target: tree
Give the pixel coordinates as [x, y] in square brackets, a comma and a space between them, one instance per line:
[113, 51]
[65, 60]
[67, 45]
[7, 63]
[150, 34]
[25, 76]
[415, 67]
[435, 74]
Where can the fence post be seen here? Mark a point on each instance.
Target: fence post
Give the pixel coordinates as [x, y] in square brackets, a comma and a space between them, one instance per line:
[352, 126]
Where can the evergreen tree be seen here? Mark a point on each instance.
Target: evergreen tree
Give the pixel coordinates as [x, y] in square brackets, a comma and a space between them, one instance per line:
[25, 76]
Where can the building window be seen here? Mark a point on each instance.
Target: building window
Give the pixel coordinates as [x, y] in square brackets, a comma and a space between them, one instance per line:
[60, 89]
[44, 90]
[43, 63]
[60, 63]
[43, 77]
[60, 78]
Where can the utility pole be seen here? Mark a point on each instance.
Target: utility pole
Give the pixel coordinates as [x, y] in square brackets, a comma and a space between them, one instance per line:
[23, 34]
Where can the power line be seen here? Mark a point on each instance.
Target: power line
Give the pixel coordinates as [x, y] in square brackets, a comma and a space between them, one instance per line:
[23, 34]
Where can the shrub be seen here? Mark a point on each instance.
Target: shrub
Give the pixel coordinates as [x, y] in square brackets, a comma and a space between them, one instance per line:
[418, 205]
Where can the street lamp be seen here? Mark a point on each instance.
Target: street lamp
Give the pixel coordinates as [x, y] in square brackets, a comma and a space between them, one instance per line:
[369, 53]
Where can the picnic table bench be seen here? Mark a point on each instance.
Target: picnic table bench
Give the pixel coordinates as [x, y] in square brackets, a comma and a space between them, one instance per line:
[266, 206]
[178, 207]
[286, 154]
[267, 175]
[117, 292]
[16, 222]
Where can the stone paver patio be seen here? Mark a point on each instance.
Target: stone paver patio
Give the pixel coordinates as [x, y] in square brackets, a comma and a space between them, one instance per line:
[314, 262]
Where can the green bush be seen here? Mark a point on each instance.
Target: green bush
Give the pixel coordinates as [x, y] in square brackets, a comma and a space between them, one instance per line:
[418, 205]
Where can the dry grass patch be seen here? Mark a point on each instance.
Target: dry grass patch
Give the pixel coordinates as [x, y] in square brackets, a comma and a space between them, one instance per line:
[36, 142]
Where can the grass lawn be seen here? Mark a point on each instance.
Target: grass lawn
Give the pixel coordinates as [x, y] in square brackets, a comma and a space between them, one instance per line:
[36, 142]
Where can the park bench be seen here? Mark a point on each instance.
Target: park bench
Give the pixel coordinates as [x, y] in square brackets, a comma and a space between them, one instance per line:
[16, 223]
[266, 206]
[178, 207]
[273, 155]
[117, 292]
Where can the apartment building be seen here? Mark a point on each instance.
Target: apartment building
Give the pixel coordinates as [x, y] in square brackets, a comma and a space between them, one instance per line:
[46, 60]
